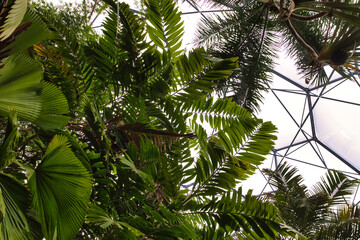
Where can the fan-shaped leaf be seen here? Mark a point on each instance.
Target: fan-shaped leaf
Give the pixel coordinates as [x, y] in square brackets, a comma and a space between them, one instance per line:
[19, 79]
[14, 18]
[35, 33]
[61, 188]
[14, 205]
[54, 108]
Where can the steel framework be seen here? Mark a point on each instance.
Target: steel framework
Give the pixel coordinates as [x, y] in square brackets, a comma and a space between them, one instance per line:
[311, 138]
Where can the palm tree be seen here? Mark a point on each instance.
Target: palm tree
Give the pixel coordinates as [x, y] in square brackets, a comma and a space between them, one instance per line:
[315, 33]
[41, 195]
[316, 213]
[135, 156]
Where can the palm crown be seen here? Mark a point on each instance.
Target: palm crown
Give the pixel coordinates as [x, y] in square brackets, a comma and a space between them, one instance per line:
[315, 33]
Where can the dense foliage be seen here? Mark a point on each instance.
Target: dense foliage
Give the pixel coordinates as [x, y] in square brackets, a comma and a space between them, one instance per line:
[105, 135]
[323, 212]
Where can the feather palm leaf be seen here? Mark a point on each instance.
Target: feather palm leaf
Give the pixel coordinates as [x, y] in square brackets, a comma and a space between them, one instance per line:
[308, 211]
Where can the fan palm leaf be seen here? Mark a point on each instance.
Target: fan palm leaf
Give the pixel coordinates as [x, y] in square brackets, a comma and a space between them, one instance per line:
[60, 187]
[13, 18]
[34, 33]
[20, 78]
[14, 205]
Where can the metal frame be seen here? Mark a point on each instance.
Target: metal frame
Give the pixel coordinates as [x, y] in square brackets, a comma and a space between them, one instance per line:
[310, 138]
[308, 93]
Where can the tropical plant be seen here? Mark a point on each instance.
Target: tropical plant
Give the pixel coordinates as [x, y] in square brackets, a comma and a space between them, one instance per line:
[320, 213]
[33, 205]
[315, 33]
[130, 156]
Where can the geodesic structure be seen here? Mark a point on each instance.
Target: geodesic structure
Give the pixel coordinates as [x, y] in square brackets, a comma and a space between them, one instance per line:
[318, 129]
[317, 125]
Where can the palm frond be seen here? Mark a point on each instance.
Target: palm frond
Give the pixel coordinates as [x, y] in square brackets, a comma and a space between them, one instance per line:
[166, 29]
[13, 18]
[132, 30]
[98, 216]
[308, 211]
[7, 153]
[198, 74]
[218, 169]
[20, 78]
[285, 177]
[337, 186]
[60, 187]
[246, 216]
[344, 10]
[244, 33]
[345, 224]
[14, 205]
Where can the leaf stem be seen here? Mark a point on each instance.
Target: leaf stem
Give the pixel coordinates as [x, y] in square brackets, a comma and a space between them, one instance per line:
[305, 45]
[308, 18]
[188, 198]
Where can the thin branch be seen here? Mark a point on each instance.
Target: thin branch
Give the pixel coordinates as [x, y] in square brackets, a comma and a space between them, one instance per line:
[301, 41]
[26, 141]
[93, 9]
[192, 194]
[308, 18]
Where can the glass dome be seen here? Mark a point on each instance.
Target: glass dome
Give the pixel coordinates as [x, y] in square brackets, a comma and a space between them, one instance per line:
[317, 126]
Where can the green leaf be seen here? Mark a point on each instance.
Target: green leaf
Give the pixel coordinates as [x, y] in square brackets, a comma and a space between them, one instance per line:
[96, 215]
[54, 108]
[13, 19]
[7, 153]
[20, 78]
[14, 205]
[164, 26]
[61, 188]
[35, 33]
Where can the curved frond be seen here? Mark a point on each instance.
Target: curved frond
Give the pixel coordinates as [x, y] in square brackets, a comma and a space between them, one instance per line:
[198, 74]
[54, 108]
[14, 205]
[337, 186]
[285, 177]
[218, 169]
[132, 30]
[166, 27]
[60, 187]
[7, 153]
[19, 80]
[246, 216]
[13, 18]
